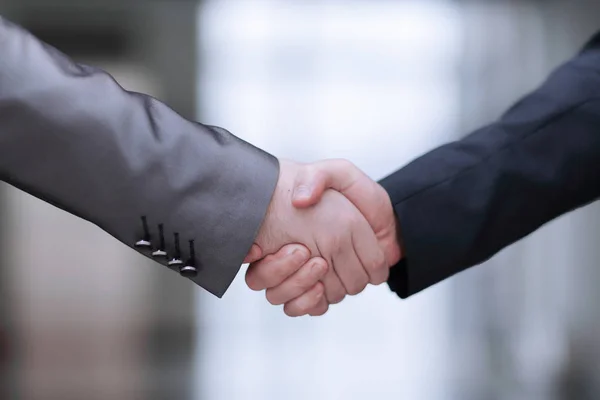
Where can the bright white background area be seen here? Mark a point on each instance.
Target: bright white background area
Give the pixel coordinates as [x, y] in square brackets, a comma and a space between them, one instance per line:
[371, 81]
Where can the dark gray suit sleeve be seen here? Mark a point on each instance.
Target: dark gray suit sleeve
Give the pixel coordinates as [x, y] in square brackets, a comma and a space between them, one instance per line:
[70, 135]
[463, 202]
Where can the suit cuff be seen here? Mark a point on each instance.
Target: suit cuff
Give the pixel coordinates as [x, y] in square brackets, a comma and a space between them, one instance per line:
[413, 273]
[226, 220]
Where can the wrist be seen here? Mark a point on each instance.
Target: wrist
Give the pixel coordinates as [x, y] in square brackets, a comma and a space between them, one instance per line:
[271, 233]
[392, 237]
[398, 243]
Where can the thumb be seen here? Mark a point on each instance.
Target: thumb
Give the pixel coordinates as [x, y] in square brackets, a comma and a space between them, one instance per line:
[254, 254]
[368, 197]
[312, 181]
[309, 187]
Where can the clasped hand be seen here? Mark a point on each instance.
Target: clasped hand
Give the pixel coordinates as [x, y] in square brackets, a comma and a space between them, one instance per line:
[329, 231]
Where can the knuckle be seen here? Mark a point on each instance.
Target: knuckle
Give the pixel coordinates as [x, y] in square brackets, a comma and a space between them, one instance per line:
[277, 276]
[332, 243]
[274, 277]
[377, 263]
[272, 297]
[318, 311]
[267, 260]
[252, 282]
[342, 163]
[337, 297]
[378, 280]
[285, 267]
[303, 309]
[318, 268]
[294, 310]
[305, 303]
[316, 174]
[304, 281]
[312, 174]
[386, 275]
[319, 290]
[303, 284]
[299, 287]
[349, 168]
[378, 270]
[356, 288]
[290, 311]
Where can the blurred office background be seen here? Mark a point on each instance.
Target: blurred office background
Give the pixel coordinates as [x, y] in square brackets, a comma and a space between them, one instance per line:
[375, 81]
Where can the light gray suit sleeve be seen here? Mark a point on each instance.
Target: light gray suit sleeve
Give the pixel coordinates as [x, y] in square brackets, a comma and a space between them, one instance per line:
[70, 135]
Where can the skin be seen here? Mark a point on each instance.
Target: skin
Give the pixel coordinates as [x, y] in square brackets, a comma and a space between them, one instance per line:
[288, 275]
[333, 230]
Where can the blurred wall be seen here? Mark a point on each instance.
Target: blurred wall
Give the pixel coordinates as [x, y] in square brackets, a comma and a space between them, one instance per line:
[89, 316]
[522, 320]
[371, 81]
[379, 83]
[374, 81]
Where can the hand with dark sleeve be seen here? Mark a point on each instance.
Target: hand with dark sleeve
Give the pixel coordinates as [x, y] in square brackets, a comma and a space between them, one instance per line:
[458, 205]
[463, 202]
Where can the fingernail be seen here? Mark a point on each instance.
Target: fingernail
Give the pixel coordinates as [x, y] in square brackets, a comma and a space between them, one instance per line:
[301, 192]
[317, 268]
[300, 256]
[296, 252]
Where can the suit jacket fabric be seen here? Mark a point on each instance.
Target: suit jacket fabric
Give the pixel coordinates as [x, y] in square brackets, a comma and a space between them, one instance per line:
[70, 135]
[463, 202]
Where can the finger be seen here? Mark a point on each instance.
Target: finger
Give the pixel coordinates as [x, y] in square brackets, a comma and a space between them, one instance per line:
[306, 302]
[254, 254]
[334, 289]
[370, 255]
[275, 268]
[348, 266]
[367, 196]
[344, 177]
[314, 179]
[321, 308]
[309, 186]
[301, 281]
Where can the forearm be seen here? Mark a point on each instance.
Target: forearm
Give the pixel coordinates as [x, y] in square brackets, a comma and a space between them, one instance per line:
[460, 204]
[70, 135]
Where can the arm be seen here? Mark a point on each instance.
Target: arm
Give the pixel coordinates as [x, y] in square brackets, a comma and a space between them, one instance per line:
[70, 135]
[463, 202]
[458, 205]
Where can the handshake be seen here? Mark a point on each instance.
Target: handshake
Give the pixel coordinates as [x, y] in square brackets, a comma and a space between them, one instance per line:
[329, 231]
